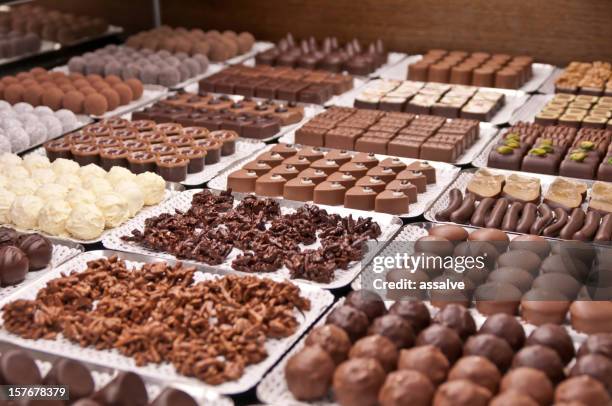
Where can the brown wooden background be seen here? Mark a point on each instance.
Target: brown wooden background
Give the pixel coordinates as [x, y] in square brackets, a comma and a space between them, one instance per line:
[554, 31]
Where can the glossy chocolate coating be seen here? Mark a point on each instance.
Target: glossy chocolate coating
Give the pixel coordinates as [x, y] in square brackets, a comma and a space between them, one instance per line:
[126, 388]
[543, 358]
[427, 359]
[368, 302]
[458, 318]
[395, 328]
[583, 390]
[309, 372]
[495, 349]
[555, 337]
[38, 249]
[414, 311]
[446, 339]
[353, 321]
[14, 265]
[73, 374]
[506, 327]
[332, 339]
[597, 367]
[18, 368]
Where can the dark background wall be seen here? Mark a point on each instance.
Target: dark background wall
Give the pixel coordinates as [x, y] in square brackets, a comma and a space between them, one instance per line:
[554, 31]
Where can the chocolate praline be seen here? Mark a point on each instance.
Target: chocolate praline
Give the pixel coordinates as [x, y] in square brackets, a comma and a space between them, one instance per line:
[434, 244]
[395, 328]
[14, 265]
[368, 302]
[557, 263]
[506, 327]
[461, 392]
[126, 388]
[477, 369]
[524, 259]
[414, 311]
[558, 282]
[458, 318]
[332, 339]
[406, 388]
[74, 374]
[428, 360]
[495, 349]
[497, 297]
[533, 243]
[582, 390]
[600, 343]
[309, 372]
[173, 397]
[591, 317]
[512, 398]
[357, 382]
[18, 368]
[530, 381]
[456, 234]
[446, 339]
[8, 236]
[597, 367]
[376, 347]
[496, 237]
[555, 337]
[543, 358]
[353, 321]
[517, 277]
[540, 306]
[38, 249]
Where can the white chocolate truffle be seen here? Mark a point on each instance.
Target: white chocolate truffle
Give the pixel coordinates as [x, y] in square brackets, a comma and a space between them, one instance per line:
[24, 211]
[53, 125]
[98, 186]
[81, 196]
[52, 191]
[118, 174]
[53, 217]
[4, 105]
[22, 187]
[86, 222]
[153, 187]
[22, 108]
[70, 180]
[8, 160]
[19, 138]
[17, 172]
[91, 171]
[115, 209]
[6, 201]
[36, 131]
[3, 181]
[42, 111]
[42, 176]
[5, 144]
[68, 119]
[63, 166]
[35, 161]
[133, 194]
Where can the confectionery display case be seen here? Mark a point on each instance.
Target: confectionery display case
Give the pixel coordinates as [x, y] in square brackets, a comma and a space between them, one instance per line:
[377, 203]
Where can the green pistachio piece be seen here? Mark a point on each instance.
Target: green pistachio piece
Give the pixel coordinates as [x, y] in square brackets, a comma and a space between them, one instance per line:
[587, 145]
[578, 156]
[610, 161]
[546, 141]
[537, 151]
[513, 136]
[546, 147]
[505, 150]
[512, 143]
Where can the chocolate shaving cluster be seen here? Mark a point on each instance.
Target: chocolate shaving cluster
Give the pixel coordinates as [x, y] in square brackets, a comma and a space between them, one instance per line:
[210, 330]
[212, 227]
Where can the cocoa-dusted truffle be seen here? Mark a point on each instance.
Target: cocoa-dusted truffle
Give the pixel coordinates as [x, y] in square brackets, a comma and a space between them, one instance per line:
[495, 349]
[597, 367]
[428, 360]
[14, 265]
[95, 104]
[332, 339]
[531, 382]
[376, 347]
[555, 337]
[406, 388]
[37, 248]
[357, 382]
[368, 302]
[461, 392]
[600, 343]
[136, 87]
[413, 311]
[353, 321]
[51, 97]
[446, 339]
[543, 358]
[582, 389]
[73, 100]
[395, 329]
[477, 369]
[506, 327]
[512, 398]
[309, 373]
[125, 93]
[458, 318]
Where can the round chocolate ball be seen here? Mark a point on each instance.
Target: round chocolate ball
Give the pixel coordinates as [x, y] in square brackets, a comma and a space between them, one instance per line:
[600, 343]
[136, 87]
[482, 250]
[455, 234]
[516, 277]
[495, 349]
[52, 97]
[529, 381]
[8, 236]
[582, 389]
[14, 265]
[18, 368]
[496, 237]
[38, 249]
[406, 388]
[413, 311]
[332, 339]
[543, 358]
[14, 93]
[125, 93]
[512, 398]
[533, 243]
[446, 339]
[477, 369]
[33, 94]
[597, 367]
[458, 318]
[564, 264]
[353, 321]
[309, 372]
[461, 392]
[555, 337]
[357, 382]
[112, 98]
[395, 329]
[434, 244]
[506, 327]
[428, 360]
[95, 104]
[523, 259]
[558, 282]
[376, 347]
[368, 302]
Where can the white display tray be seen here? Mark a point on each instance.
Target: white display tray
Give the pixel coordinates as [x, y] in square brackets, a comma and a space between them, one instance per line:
[258, 47]
[548, 87]
[529, 110]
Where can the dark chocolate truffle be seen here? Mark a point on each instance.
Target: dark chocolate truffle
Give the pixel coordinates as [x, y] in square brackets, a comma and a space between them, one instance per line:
[532, 382]
[600, 343]
[8, 236]
[14, 265]
[512, 398]
[506, 327]
[74, 375]
[414, 311]
[173, 397]
[495, 349]
[395, 329]
[126, 388]
[332, 339]
[555, 337]
[596, 366]
[446, 339]
[582, 389]
[477, 369]
[376, 347]
[368, 302]
[543, 358]
[406, 388]
[428, 360]
[458, 318]
[309, 373]
[38, 250]
[18, 368]
[461, 392]
[353, 321]
[357, 382]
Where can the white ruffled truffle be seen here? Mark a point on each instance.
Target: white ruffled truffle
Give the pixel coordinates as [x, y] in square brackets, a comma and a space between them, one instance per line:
[91, 171]
[53, 217]
[81, 196]
[3, 181]
[8, 160]
[52, 191]
[63, 166]
[22, 186]
[68, 119]
[35, 161]
[98, 186]
[118, 174]
[24, 211]
[16, 172]
[115, 209]
[42, 176]
[153, 187]
[53, 125]
[8, 121]
[6, 201]
[5, 144]
[71, 180]
[19, 139]
[133, 194]
[37, 132]
[27, 117]
[86, 222]
[23, 108]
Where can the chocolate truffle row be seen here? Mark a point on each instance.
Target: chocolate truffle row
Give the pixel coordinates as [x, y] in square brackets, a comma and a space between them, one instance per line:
[451, 101]
[366, 354]
[21, 253]
[390, 133]
[587, 78]
[477, 69]
[90, 94]
[248, 118]
[326, 55]
[171, 310]
[554, 150]
[168, 149]
[268, 243]
[334, 177]
[577, 111]
[282, 83]
[126, 388]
